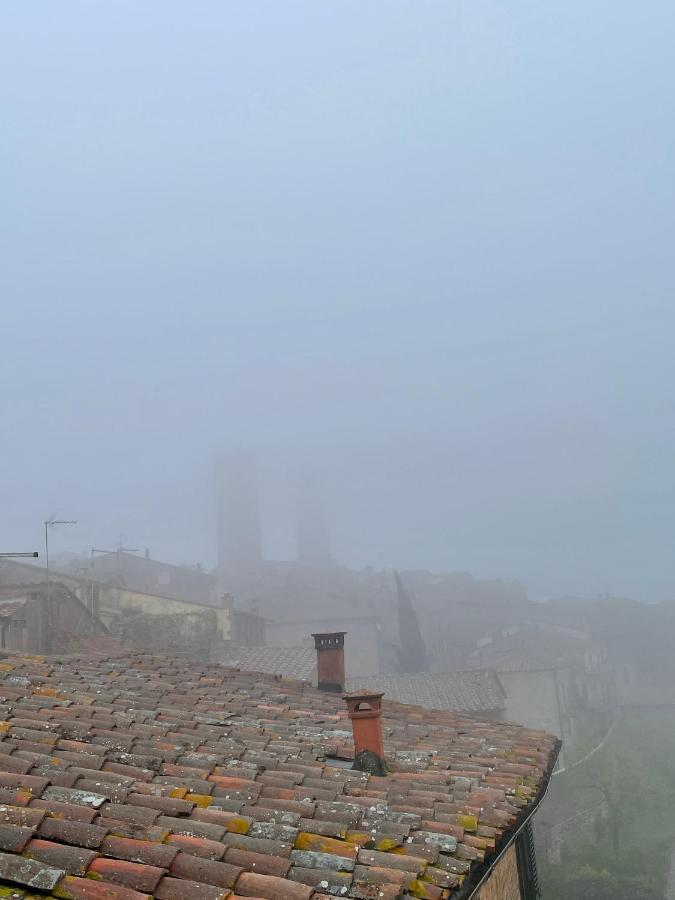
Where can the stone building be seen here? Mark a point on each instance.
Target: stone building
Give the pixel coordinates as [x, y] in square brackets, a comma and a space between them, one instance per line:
[132, 614]
[36, 618]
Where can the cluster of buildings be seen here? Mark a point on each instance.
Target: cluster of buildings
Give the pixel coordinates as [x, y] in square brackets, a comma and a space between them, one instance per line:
[436, 646]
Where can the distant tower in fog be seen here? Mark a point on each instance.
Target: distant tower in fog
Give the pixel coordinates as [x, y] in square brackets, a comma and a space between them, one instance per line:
[239, 537]
[311, 529]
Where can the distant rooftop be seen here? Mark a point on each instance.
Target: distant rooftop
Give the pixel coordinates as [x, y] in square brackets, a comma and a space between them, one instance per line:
[289, 662]
[469, 692]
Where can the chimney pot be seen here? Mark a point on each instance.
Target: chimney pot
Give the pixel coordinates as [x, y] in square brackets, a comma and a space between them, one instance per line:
[330, 660]
[365, 711]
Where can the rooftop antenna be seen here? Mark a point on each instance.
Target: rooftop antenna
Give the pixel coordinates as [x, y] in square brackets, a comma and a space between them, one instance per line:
[118, 549]
[51, 522]
[33, 555]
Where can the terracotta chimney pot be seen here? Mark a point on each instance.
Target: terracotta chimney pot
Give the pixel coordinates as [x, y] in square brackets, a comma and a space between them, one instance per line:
[365, 711]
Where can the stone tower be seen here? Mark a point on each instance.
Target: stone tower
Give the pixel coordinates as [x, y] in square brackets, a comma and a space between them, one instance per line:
[239, 533]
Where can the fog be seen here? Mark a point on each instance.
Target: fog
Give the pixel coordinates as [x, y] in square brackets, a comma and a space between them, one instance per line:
[422, 252]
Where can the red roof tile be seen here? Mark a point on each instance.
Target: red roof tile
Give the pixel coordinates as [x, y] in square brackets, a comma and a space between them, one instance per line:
[74, 860]
[258, 862]
[197, 846]
[148, 852]
[138, 876]
[271, 888]
[208, 871]
[181, 889]
[73, 888]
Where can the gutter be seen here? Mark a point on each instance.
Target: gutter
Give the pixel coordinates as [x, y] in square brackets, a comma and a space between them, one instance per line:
[470, 889]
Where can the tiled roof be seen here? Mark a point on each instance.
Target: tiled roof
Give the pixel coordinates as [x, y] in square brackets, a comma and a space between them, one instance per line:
[531, 648]
[9, 608]
[511, 663]
[133, 776]
[291, 662]
[474, 691]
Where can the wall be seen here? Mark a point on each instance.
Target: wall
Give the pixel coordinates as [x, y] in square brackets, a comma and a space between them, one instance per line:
[16, 637]
[113, 600]
[503, 883]
[532, 700]
[247, 628]
[189, 583]
[38, 627]
[547, 700]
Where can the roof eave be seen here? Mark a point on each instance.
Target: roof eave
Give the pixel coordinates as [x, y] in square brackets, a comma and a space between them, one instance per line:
[479, 874]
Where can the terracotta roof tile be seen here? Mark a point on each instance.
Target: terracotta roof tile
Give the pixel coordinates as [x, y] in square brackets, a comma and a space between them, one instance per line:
[18, 797]
[192, 827]
[168, 806]
[74, 888]
[197, 868]
[136, 815]
[112, 792]
[148, 852]
[73, 796]
[197, 846]
[258, 862]
[180, 889]
[13, 838]
[258, 845]
[73, 860]
[328, 880]
[76, 833]
[192, 781]
[139, 876]
[29, 872]
[135, 832]
[70, 811]
[19, 815]
[270, 888]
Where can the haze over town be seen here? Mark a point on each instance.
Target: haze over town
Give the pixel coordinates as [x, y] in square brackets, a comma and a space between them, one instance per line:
[437, 273]
[336, 353]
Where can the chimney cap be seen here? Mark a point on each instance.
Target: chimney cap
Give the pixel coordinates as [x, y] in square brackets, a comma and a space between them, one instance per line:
[364, 704]
[363, 695]
[329, 639]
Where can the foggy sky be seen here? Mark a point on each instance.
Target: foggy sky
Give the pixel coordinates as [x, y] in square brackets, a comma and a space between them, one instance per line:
[424, 248]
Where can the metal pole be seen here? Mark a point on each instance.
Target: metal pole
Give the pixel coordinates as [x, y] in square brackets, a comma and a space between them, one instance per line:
[50, 523]
[46, 616]
[47, 556]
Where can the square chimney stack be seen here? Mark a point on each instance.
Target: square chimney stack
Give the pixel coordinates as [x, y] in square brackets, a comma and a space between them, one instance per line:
[330, 661]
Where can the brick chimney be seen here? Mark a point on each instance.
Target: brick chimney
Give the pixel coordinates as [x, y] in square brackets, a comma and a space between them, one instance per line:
[365, 711]
[330, 660]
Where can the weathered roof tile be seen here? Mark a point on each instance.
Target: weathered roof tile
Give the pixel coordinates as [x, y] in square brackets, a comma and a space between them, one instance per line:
[73, 860]
[209, 871]
[138, 876]
[29, 872]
